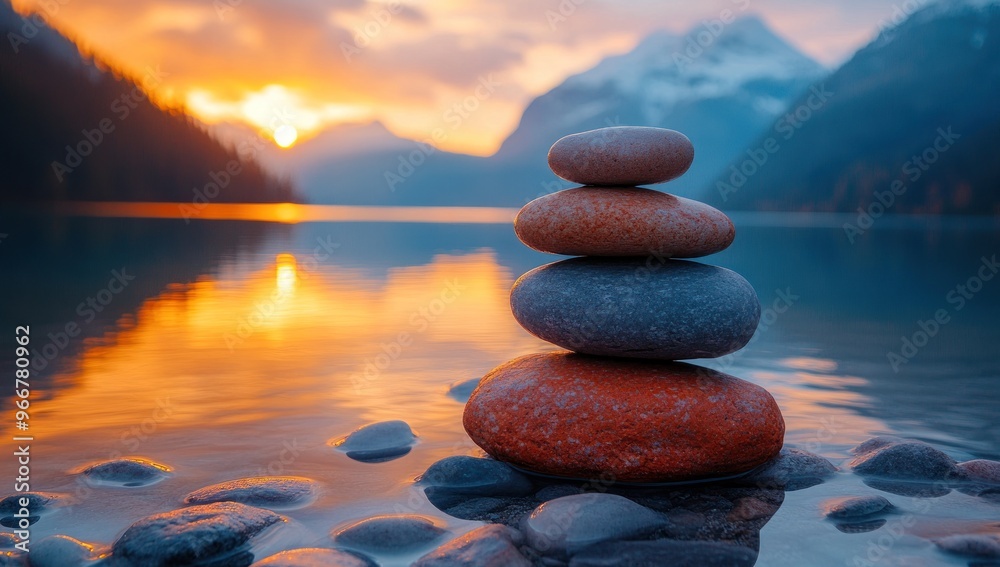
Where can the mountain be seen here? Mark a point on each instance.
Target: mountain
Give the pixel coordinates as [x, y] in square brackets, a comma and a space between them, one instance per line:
[721, 93]
[909, 124]
[77, 131]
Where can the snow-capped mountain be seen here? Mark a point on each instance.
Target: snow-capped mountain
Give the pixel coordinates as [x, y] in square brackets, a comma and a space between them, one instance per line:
[912, 118]
[722, 93]
[720, 87]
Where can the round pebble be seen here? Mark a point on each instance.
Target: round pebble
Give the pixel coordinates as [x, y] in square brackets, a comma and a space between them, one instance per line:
[622, 155]
[855, 507]
[596, 221]
[633, 421]
[378, 442]
[315, 557]
[791, 469]
[489, 546]
[629, 307]
[567, 525]
[903, 460]
[390, 534]
[272, 492]
[192, 535]
[125, 472]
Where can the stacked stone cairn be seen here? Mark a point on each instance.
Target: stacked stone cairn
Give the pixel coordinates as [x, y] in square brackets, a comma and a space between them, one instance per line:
[618, 407]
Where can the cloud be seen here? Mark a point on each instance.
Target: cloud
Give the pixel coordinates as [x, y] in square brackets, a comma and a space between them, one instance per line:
[407, 63]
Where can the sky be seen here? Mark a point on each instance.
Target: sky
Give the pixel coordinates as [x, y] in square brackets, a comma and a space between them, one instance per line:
[296, 67]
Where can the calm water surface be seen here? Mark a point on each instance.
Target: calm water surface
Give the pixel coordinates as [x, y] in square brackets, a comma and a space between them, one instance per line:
[243, 348]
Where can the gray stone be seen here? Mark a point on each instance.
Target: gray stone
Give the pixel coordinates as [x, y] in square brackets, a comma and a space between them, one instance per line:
[666, 552]
[865, 526]
[38, 502]
[622, 155]
[61, 551]
[973, 545]
[854, 507]
[567, 525]
[315, 557]
[489, 546]
[195, 535]
[453, 480]
[903, 460]
[273, 492]
[13, 559]
[128, 472]
[390, 534]
[8, 540]
[637, 307]
[981, 471]
[792, 469]
[378, 442]
[461, 391]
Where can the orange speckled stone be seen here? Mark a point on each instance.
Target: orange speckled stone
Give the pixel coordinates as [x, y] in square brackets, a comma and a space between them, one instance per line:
[622, 155]
[601, 221]
[576, 416]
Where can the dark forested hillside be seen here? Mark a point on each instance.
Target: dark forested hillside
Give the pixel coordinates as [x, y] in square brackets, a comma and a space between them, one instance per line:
[910, 124]
[76, 132]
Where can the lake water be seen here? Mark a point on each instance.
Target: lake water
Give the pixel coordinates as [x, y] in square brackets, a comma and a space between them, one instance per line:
[233, 348]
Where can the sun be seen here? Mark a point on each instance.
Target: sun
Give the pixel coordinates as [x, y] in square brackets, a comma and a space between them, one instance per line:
[285, 135]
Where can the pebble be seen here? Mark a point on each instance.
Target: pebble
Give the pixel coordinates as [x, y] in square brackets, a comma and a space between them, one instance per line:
[61, 551]
[903, 460]
[37, 502]
[597, 221]
[981, 471]
[378, 442]
[792, 469]
[489, 546]
[390, 534]
[567, 525]
[629, 307]
[584, 417]
[272, 492]
[855, 507]
[658, 553]
[461, 391]
[972, 545]
[455, 480]
[125, 472]
[622, 155]
[315, 557]
[192, 535]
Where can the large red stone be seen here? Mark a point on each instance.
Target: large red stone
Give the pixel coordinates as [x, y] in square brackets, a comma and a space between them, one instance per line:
[601, 221]
[586, 417]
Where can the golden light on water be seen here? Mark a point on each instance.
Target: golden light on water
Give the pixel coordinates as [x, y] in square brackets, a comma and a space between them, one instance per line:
[287, 275]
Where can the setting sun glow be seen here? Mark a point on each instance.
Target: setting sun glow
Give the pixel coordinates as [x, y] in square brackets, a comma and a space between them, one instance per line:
[285, 135]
